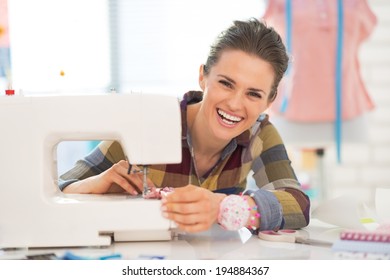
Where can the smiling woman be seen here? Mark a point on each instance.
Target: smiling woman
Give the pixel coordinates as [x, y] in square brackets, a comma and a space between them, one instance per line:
[236, 87]
[225, 135]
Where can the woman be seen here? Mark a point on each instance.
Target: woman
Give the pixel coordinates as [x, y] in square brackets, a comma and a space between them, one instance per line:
[225, 135]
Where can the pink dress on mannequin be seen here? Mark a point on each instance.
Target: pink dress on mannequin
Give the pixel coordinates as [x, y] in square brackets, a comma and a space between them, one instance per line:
[312, 76]
[310, 86]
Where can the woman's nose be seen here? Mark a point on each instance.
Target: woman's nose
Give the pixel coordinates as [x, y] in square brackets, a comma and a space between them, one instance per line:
[235, 101]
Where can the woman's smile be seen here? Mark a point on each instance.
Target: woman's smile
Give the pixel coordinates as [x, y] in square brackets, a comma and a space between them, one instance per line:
[228, 119]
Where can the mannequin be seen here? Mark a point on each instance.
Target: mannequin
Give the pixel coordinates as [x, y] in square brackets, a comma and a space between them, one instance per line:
[322, 100]
[323, 96]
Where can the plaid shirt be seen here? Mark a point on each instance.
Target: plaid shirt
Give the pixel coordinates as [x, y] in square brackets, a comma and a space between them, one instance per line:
[279, 199]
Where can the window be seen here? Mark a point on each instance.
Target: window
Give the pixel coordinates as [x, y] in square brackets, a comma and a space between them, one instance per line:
[50, 38]
[90, 46]
[161, 44]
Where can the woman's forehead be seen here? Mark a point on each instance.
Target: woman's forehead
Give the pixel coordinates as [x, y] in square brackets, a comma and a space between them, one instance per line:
[241, 66]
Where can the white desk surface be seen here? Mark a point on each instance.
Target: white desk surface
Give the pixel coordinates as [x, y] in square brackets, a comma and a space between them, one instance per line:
[213, 244]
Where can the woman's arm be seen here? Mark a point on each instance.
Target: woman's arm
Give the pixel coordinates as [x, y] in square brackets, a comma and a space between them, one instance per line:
[104, 170]
[280, 200]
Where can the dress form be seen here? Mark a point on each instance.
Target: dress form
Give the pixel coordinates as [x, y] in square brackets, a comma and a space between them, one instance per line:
[319, 114]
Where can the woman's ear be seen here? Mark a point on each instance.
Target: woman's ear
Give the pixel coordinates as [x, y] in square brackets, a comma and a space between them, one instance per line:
[201, 77]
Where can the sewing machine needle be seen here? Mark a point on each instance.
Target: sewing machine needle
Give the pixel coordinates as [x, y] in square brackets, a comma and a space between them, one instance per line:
[145, 181]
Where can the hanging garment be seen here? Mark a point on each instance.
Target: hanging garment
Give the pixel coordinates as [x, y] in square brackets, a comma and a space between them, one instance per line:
[320, 32]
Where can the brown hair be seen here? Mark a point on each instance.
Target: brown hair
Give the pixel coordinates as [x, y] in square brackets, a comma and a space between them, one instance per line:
[253, 37]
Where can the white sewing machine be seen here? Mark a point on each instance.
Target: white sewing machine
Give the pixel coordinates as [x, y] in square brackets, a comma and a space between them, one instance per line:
[35, 213]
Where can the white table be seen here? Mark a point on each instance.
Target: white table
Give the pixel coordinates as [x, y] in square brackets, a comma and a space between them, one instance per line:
[213, 244]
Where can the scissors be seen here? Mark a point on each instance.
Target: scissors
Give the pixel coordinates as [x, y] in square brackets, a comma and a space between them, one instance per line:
[291, 236]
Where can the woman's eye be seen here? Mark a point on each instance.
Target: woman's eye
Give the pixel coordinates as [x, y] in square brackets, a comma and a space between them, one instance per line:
[226, 83]
[255, 94]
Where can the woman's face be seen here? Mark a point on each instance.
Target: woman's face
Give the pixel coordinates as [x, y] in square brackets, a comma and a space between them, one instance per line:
[236, 92]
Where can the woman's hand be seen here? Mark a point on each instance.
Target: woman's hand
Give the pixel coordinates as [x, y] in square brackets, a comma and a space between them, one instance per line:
[192, 208]
[113, 180]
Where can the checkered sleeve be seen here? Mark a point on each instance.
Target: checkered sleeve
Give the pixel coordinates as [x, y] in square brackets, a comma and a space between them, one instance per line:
[100, 159]
[273, 172]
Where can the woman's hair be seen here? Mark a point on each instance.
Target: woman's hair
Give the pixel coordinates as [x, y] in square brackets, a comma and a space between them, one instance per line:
[252, 37]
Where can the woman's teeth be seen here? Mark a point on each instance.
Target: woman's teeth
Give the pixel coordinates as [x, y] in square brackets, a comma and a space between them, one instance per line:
[229, 119]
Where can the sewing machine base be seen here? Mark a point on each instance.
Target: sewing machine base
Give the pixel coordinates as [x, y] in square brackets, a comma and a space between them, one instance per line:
[88, 220]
